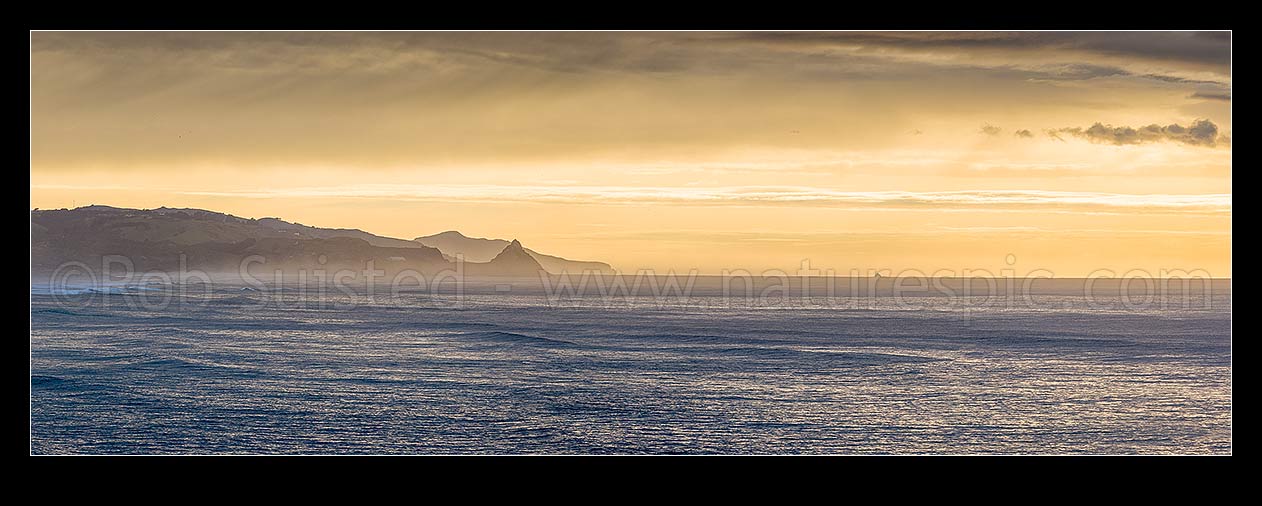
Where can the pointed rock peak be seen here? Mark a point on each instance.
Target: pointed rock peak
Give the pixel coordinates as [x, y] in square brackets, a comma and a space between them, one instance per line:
[514, 249]
[516, 256]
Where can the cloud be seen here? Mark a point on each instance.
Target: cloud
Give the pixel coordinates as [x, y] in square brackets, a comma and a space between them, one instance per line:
[989, 129]
[1165, 56]
[1085, 72]
[1193, 47]
[1081, 71]
[1179, 80]
[1177, 55]
[1201, 132]
[387, 99]
[1023, 133]
[1209, 95]
[751, 196]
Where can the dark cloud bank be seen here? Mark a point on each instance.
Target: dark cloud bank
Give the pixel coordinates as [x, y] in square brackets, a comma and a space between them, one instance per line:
[1201, 132]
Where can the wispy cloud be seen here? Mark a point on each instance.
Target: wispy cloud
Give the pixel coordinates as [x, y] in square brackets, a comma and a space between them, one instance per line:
[1172, 57]
[742, 196]
[1209, 95]
[1084, 231]
[1027, 166]
[846, 236]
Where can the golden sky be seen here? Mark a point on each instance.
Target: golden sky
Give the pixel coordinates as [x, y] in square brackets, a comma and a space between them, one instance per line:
[681, 150]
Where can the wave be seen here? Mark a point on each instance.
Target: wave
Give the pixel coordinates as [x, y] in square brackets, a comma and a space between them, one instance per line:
[41, 380]
[194, 365]
[510, 338]
[834, 357]
[93, 290]
[239, 300]
[699, 338]
[62, 312]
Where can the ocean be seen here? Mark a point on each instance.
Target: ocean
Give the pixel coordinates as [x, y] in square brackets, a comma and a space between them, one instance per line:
[239, 371]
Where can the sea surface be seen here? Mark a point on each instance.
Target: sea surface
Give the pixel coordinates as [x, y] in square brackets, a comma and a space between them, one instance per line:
[236, 370]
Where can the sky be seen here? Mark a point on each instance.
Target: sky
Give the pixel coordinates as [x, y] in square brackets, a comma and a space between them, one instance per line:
[1072, 153]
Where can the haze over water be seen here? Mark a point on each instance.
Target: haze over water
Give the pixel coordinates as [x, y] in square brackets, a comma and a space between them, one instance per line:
[228, 373]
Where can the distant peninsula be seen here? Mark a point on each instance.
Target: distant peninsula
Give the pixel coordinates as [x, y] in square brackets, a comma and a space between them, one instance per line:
[170, 239]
